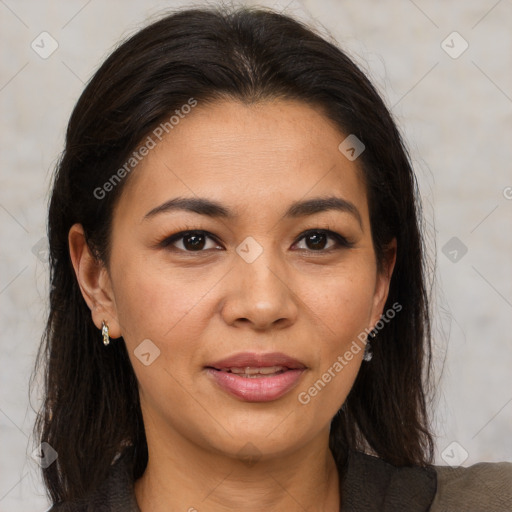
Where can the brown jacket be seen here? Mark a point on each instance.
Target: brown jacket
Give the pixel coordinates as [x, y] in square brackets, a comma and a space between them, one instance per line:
[368, 484]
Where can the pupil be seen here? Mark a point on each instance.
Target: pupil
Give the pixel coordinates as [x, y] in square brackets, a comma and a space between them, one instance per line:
[317, 238]
[197, 244]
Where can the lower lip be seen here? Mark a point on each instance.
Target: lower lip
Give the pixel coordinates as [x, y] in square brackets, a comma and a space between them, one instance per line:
[257, 389]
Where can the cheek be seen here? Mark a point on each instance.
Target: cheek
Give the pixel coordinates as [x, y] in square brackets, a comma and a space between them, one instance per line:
[166, 307]
[341, 307]
[343, 303]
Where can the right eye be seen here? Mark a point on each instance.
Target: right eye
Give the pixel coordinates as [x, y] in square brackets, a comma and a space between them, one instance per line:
[191, 241]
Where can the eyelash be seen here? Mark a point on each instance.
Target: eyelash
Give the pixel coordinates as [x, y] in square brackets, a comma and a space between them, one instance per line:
[341, 241]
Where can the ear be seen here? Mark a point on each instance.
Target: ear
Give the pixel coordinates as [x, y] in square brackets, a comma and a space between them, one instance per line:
[94, 281]
[383, 281]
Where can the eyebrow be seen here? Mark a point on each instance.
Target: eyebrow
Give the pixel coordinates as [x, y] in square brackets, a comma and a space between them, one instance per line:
[211, 208]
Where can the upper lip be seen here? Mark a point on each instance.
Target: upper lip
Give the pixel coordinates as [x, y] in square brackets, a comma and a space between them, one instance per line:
[254, 360]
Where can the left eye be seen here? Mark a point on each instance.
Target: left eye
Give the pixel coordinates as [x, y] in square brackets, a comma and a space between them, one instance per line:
[195, 241]
[317, 239]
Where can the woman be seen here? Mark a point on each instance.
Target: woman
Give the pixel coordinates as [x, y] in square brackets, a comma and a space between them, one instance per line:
[239, 316]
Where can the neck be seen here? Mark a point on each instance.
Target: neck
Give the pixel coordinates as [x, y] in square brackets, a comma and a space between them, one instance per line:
[181, 476]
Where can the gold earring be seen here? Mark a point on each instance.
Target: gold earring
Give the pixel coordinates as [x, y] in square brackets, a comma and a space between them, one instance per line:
[104, 331]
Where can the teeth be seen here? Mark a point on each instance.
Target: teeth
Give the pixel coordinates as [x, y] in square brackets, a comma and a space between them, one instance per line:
[252, 371]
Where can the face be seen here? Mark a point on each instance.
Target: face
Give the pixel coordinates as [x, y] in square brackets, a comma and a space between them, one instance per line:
[267, 280]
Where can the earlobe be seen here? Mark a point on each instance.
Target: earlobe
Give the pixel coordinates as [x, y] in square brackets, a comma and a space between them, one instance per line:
[94, 281]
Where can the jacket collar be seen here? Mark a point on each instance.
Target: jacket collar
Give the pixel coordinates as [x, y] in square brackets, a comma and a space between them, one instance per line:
[367, 484]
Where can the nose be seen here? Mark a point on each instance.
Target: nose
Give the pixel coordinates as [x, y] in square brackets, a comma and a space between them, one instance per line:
[260, 294]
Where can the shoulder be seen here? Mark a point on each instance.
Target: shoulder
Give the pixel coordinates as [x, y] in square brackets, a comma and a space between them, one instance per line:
[115, 495]
[372, 484]
[482, 487]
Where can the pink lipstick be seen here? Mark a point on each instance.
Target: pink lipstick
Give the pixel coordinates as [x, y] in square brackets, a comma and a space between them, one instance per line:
[257, 377]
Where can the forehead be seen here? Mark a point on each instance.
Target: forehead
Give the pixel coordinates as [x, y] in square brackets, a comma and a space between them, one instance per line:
[257, 157]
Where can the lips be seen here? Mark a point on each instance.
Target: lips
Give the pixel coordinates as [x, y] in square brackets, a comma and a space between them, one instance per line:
[254, 372]
[252, 360]
[256, 377]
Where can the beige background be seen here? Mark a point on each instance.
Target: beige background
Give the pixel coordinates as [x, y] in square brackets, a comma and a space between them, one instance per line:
[456, 114]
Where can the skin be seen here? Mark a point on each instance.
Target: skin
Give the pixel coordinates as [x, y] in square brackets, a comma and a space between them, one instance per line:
[199, 307]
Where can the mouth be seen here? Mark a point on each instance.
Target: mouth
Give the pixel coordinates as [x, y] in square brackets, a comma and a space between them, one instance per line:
[256, 377]
[255, 372]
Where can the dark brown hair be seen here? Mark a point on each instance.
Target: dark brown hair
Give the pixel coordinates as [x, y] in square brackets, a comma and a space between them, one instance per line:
[91, 404]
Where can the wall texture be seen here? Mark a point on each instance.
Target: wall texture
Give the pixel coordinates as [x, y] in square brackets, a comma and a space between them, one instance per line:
[444, 68]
